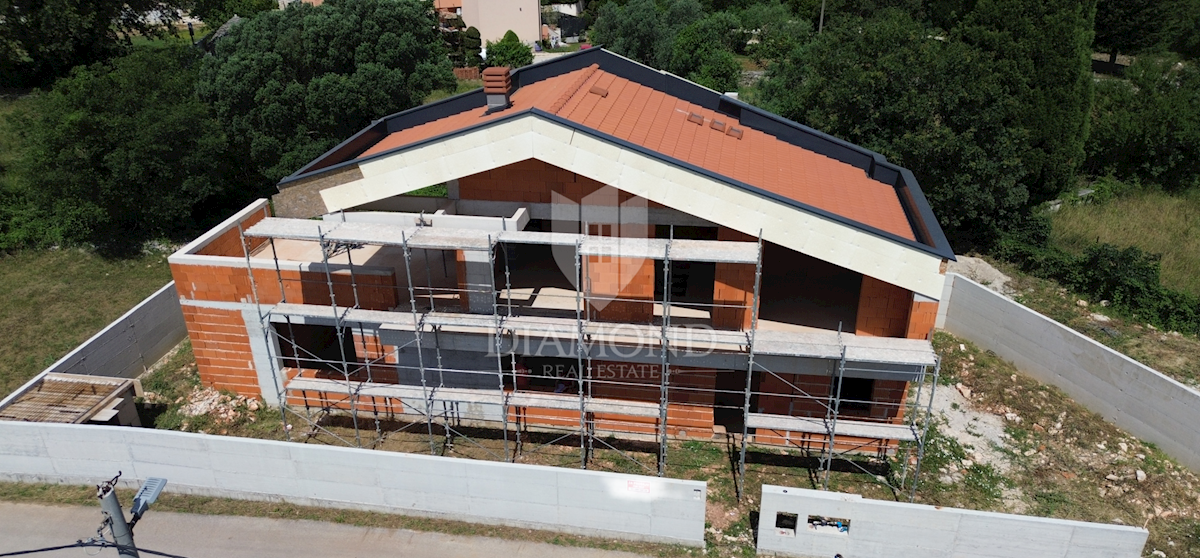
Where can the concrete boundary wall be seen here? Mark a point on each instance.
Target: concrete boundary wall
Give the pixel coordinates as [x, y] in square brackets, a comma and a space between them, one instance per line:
[901, 530]
[558, 499]
[1131, 395]
[128, 345]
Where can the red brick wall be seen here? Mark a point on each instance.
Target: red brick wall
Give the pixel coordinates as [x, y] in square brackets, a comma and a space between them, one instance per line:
[222, 349]
[688, 412]
[795, 404]
[460, 272]
[882, 309]
[229, 243]
[733, 285]
[888, 393]
[232, 284]
[891, 395]
[921, 320]
[529, 181]
[605, 276]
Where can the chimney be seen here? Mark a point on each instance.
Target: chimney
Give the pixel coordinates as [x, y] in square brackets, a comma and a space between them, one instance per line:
[496, 85]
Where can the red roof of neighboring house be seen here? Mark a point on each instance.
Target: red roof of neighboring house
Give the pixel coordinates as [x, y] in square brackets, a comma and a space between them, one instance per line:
[668, 125]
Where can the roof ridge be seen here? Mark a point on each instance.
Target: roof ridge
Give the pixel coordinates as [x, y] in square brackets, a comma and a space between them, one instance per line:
[562, 100]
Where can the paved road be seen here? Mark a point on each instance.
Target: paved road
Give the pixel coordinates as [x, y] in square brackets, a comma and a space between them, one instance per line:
[28, 526]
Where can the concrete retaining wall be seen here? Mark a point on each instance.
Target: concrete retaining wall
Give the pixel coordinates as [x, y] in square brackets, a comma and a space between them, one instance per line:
[1131, 395]
[128, 345]
[552, 498]
[898, 530]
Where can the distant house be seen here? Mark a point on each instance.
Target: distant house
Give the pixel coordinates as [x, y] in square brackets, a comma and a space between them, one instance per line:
[448, 6]
[495, 17]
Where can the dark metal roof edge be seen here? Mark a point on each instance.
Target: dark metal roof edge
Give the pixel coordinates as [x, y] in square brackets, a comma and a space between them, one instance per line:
[431, 112]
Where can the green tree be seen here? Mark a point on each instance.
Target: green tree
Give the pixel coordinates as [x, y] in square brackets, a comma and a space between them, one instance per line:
[216, 12]
[118, 153]
[775, 30]
[509, 51]
[701, 52]
[41, 40]
[1147, 127]
[289, 85]
[471, 43]
[937, 107]
[1132, 26]
[1043, 57]
[642, 30]
[1184, 37]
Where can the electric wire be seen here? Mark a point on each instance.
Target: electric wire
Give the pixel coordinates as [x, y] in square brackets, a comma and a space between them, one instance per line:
[88, 544]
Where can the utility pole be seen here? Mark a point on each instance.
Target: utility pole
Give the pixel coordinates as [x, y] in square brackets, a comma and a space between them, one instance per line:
[821, 22]
[114, 516]
[110, 506]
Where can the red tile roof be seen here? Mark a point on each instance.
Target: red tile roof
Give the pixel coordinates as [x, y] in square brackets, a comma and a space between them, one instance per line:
[660, 122]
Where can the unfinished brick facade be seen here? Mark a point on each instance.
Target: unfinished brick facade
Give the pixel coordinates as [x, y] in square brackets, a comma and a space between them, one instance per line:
[222, 349]
[921, 320]
[882, 309]
[618, 287]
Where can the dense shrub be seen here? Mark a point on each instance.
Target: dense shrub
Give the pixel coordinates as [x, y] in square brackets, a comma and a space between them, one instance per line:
[290, 84]
[1147, 127]
[1128, 277]
[118, 153]
[509, 51]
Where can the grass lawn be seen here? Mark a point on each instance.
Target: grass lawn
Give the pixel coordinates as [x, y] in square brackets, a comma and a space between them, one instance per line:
[463, 86]
[54, 300]
[8, 152]
[1153, 221]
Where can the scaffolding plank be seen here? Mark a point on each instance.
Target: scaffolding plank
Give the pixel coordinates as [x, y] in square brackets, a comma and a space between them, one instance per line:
[290, 229]
[538, 237]
[396, 391]
[466, 395]
[798, 344]
[823, 345]
[640, 248]
[444, 238]
[719, 251]
[891, 350]
[623, 407]
[681, 250]
[845, 427]
[354, 315]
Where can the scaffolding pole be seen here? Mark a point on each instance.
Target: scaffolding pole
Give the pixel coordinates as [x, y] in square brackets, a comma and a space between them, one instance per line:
[585, 332]
[831, 416]
[265, 324]
[579, 350]
[418, 322]
[937, 368]
[740, 483]
[337, 320]
[664, 371]
[499, 335]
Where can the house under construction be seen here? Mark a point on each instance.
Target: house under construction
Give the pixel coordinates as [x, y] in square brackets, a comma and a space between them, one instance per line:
[620, 254]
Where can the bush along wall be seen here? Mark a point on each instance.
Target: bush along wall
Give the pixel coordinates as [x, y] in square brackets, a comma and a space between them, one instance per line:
[1128, 277]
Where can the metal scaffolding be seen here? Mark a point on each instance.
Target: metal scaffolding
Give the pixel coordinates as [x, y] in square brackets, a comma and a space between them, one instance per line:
[382, 381]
